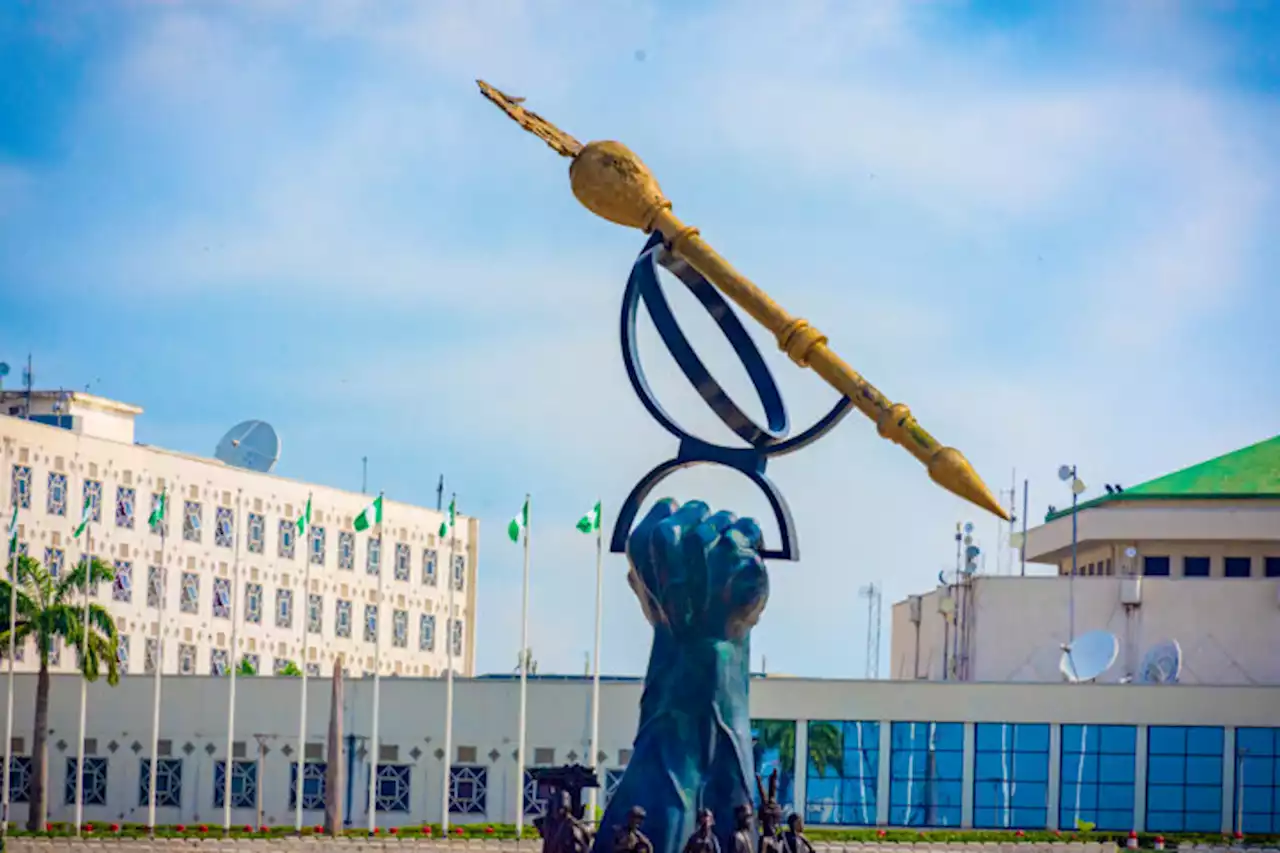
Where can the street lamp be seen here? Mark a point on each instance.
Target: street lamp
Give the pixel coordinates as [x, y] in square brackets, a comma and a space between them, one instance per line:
[1067, 473]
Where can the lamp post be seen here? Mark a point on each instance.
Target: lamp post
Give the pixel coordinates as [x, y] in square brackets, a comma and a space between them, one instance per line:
[1067, 473]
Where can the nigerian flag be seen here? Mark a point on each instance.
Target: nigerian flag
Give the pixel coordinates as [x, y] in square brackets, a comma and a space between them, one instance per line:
[590, 522]
[85, 515]
[157, 514]
[13, 530]
[447, 524]
[304, 520]
[370, 515]
[520, 523]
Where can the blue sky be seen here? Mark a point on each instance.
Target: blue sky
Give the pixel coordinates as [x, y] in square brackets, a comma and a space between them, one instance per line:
[1049, 228]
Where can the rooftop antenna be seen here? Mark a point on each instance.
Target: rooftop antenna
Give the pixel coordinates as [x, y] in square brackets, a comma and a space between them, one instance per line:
[1023, 546]
[27, 378]
[364, 475]
[4, 371]
[871, 592]
[440, 493]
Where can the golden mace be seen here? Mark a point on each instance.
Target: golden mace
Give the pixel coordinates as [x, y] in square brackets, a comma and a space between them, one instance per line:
[611, 182]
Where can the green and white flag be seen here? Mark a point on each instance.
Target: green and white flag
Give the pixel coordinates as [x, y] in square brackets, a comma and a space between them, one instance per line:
[590, 522]
[157, 515]
[304, 520]
[369, 516]
[13, 531]
[520, 523]
[85, 515]
[447, 524]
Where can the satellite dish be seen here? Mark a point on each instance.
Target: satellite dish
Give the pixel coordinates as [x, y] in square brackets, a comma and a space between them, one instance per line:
[1090, 656]
[1162, 664]
[1064, 473]
[1078, 487]
[968, 527]
[253, 445]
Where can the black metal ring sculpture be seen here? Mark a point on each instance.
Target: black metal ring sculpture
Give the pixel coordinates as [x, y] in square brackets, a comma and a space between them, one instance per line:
[763, 441]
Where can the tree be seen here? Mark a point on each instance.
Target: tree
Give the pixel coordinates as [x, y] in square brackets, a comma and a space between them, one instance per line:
[50, 610]
[245, 667]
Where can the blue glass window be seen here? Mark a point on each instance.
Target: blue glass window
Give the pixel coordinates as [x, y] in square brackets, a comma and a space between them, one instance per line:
[1011, 775]
[126, 501]
[403, 559]
[257, 532]
[468, 789]
[841, 772]
[1097, 776]
[346, 550]
[925, 768]
[191, 521]
[93, 497]
[312, 785]
[56, 500]
[773, 747]
[122, 583]
[244, 784]
[224, 527]
[168, 782]
[1257, 794]
[393, 787]
[1155, 566]
[95, 781]
[20, 486]
[535, 804]
[1184, 778]
[1195, 567]
[20, 779]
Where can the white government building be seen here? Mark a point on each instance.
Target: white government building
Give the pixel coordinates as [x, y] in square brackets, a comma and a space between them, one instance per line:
[230, 552]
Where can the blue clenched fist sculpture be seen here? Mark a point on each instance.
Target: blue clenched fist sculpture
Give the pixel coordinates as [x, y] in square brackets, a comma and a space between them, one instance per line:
[702, 585]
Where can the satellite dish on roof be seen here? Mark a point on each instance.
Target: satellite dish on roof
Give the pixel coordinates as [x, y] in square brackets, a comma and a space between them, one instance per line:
[1162, 664]
[1090, 656]
[252, 445]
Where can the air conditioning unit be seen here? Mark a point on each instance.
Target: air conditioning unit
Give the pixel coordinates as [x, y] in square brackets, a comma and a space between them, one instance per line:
[1131, 591]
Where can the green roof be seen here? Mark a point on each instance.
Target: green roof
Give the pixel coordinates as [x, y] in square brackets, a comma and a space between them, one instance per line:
[1248, 473]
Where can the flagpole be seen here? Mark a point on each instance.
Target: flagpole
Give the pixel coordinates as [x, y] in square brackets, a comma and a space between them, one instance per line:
[524, 674]
[302, 697]
[448, 683]
[13, 649]
[86, 555]
[377, 684]
[237, 523]
[159, 664]
[595, 675]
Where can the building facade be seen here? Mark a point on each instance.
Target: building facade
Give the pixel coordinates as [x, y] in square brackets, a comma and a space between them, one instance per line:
[228, 570]
[874, 753]
[1193, 556]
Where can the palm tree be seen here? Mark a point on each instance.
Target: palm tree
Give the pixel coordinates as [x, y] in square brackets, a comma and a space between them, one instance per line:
[50, 610]
[826, 749]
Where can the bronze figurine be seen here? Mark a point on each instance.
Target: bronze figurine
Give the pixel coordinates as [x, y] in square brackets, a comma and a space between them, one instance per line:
[793, 840]
[770, 815]
[628, 838]
[704, 838]
[742, 840]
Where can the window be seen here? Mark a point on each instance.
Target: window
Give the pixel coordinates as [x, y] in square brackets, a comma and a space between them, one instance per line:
[428, 566]
[219, 661]
[315, 613]
[287, 534]
[244, 784]
[342, 619]
[346, 550]
[403, 559]
[280, 665]
[467, 789]
[925, 768]
[150, 654]
[1195, 567]
[284, 608]
[1271, 567]
[1237, 567]
[222, 598]
[190, 602]
[122, 654]
[122, 583]
[371, 623]
[1257, 794]
[126, 502]
[54, 560]
[612, 779]
[253, 603]
[1184, 778]
[162, 528]
[168, 782]
[373, 558]
[257, 532]
[427, 632]
[1097, 776]
[251, 660]
[191, 521]
[773, 744]
[841, 773]
[315, 539]
[94, 781]
[224, 527]
[56, 501]
[535, 803]
[21, 485]
[20, 779]
[93, 497]
[313, 669]
[1156, 567]
[186, 659]
[455, 630]
[155, 585]
[1011, 775]
[312, 785]
[400, 628]
[459, 571]
[393, 787]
